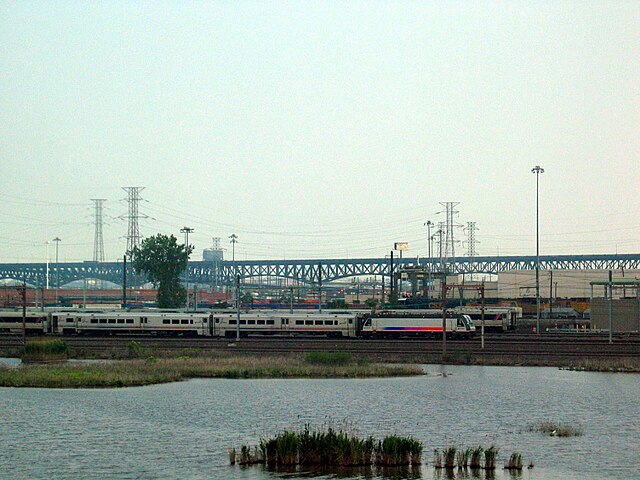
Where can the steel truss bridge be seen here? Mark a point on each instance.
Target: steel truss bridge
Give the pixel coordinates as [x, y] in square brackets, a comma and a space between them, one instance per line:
[308, 271]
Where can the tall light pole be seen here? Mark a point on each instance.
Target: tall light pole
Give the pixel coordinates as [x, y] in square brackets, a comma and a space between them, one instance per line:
[428, 224]
[537, 170]
[57, 240]
[233, 241]
[187, 231]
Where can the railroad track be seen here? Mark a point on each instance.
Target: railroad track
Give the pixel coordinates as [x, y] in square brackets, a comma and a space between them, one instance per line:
[527, 347]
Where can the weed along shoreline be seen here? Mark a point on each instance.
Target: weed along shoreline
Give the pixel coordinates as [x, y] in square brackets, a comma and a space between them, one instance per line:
[44, 366]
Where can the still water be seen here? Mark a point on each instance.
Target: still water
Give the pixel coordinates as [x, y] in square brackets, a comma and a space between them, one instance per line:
[183, 430]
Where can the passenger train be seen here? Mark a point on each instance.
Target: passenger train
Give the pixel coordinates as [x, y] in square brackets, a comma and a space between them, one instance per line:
[226, 323]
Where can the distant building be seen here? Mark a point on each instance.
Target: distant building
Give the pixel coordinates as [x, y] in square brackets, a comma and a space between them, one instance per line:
[212, 255]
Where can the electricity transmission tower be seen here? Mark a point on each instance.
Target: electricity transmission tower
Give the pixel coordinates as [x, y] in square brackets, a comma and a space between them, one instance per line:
[133, 230]
[449, 251]
[98, 242]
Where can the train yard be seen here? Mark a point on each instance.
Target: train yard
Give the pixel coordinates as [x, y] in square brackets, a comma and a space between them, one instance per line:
[529, 349]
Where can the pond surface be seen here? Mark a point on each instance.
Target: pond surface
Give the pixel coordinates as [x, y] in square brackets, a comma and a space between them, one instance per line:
[183, 430]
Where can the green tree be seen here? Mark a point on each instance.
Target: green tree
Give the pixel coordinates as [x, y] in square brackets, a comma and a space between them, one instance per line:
[162, 259]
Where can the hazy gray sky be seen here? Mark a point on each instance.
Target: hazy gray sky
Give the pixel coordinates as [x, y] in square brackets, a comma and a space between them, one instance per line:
[320, 129]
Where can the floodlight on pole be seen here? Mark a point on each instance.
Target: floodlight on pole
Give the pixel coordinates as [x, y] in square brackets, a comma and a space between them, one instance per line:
[537, 170]
[187, 231]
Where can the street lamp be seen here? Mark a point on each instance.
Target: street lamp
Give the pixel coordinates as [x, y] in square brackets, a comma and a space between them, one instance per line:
[537, 170]
[187, 231]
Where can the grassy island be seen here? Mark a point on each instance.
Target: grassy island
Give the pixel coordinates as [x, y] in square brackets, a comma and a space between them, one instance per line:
[152, 370]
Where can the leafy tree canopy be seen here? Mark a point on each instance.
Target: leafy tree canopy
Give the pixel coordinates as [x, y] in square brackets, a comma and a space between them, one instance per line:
[162, 259]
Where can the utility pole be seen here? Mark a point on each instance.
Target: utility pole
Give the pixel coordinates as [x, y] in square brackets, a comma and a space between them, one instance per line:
[124, 281]
[57, 240]
[610, 306]
[537, 170]
[444, 317]
[22, 291]
[482, 315]
[238, 307]
[187, 231]
[319, 287]
[551, 293]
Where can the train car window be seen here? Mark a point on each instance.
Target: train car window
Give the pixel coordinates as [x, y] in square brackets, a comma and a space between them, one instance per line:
[184, 322]
[261, 322]
[319, 322]
[103, 320]
[299, 322]
[231, 321]
[271, 322]
[112, 320]
[129, 320]
[350, 321]
[243, 322]
[121, 320]
[166, 321]
[217, 320]
[69, 320]
[175, 322]
[94, 320]
[251, 322]
[308, 322]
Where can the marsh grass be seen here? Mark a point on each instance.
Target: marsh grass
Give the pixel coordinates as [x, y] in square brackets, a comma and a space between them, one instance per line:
[161, 370]
[621, 365]
[437, 458]
[331, 448]
[329, 358]
[553, 429]
[45, 351]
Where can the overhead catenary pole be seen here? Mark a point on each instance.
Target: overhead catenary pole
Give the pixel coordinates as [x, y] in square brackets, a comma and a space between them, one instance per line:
[610, 306]
[537, 170]
[482, 315]
[237, 307]
[23, 295]
[57, 240]
[319, 287]
[124, 281]
[444, 317]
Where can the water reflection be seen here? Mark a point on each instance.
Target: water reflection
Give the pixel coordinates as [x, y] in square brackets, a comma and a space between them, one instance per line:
[469, 474]
[389, 473]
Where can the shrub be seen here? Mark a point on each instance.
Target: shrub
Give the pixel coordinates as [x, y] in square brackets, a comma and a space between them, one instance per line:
[329, 358]
[46, 347]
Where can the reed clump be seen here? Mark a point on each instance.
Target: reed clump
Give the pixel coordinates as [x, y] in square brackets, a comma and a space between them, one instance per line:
[476, 457]
[490, 455]
[463, 457]
[514, 462]
[449, 455]
[330, 448]
[553, 429]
